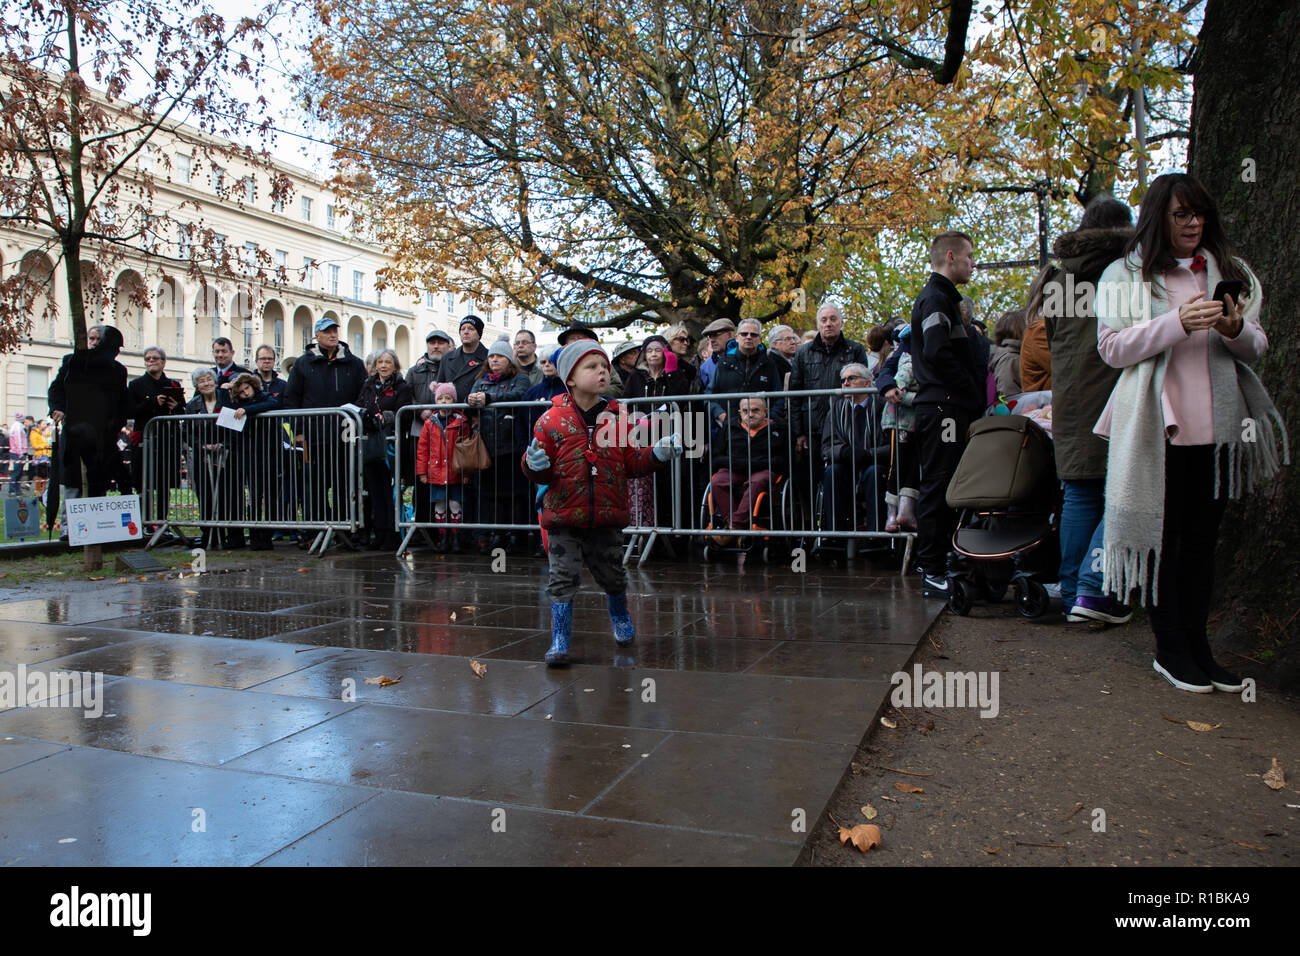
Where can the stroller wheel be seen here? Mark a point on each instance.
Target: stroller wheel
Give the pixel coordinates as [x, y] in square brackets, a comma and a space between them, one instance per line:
[1031, 598]
[959, 597]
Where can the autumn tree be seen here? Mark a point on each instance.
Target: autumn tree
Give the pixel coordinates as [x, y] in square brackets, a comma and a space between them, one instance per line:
[86, 89]
[671, 161]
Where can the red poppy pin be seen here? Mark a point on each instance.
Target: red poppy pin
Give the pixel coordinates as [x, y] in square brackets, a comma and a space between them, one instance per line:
[589, 455]
[1198, 264]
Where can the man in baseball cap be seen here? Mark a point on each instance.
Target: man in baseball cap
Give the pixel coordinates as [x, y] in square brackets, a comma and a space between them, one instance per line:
[719, 333]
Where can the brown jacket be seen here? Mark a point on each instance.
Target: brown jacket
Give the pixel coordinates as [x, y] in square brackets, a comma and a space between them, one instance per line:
[1035, 359]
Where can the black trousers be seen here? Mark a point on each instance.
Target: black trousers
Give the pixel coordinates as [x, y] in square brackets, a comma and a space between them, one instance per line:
[941, 428]
[1191, 532]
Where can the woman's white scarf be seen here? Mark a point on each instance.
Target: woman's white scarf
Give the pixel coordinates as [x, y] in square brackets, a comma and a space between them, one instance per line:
[1244, 418]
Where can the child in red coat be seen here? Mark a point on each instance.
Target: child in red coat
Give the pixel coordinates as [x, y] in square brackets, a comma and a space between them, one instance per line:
[433, 460]
[583, 452]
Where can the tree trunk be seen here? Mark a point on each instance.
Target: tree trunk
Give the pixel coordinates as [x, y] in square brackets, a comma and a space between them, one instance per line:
[1243, 148]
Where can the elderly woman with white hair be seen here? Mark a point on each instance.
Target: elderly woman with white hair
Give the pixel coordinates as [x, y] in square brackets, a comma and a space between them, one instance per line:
[205, 456]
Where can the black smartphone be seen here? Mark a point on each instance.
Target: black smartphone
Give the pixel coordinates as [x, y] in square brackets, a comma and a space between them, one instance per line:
[1227, 287]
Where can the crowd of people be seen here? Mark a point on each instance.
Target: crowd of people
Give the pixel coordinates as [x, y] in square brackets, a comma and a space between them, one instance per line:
[1145, 409]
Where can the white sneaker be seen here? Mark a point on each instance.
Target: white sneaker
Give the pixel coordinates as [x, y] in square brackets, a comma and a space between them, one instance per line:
[932, 586]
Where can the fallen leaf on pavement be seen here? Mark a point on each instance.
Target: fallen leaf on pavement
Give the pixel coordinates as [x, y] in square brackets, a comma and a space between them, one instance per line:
[1250, 846]
[1202, 728]
[479, 668]
[118, 581]
[891, 724]
[993, 852]
[142, 577]
[304, 570]
[869, 812]
[908, 787]
[93, 578]
[383, 681]
[864, 836]
[1275, 779]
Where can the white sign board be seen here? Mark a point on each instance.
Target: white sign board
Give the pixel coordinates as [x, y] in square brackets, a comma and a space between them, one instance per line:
[102, 520]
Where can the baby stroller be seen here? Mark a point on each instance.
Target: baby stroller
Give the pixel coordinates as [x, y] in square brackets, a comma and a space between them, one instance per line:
[1007, 535]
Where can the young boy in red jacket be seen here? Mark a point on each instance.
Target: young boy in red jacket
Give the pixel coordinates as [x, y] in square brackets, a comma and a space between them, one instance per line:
[582, 451]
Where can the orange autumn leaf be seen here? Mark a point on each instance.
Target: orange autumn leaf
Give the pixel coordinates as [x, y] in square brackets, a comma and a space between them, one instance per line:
[864, 836]
[908, 788]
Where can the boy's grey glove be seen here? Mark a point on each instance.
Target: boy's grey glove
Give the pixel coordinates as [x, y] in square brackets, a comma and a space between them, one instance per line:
[536, 457]
[669, 447]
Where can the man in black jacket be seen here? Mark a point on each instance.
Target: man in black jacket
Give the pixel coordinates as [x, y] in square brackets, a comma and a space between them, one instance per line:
[223, 363]
[462, 366]
[272, 385]
[89, 397]
[948, 397]
[744, 366]
[328, 376]
[818, 364]
[154, 394]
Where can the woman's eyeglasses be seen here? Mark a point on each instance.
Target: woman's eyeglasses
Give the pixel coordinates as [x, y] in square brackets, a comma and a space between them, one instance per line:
[1184, 216]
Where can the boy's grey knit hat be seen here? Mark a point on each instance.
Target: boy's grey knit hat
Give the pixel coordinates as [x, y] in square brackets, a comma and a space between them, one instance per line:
[573, 353]
[502, 347]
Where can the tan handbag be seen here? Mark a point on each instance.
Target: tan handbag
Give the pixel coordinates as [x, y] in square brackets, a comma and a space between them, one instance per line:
[471, 454]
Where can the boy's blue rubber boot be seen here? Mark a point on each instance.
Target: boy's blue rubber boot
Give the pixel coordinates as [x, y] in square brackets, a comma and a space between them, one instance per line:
[561, 627]
[623, 629]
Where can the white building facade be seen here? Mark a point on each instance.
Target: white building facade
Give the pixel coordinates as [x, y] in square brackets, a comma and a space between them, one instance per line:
[328, 271]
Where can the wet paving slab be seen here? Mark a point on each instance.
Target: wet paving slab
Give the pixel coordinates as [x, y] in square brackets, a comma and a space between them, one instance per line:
[95, 804]
[428, 682]
[68, 609]
[413, 829]
[209, 661]
[206, 622]
[33, 643]
[180, 722]
[737, 709]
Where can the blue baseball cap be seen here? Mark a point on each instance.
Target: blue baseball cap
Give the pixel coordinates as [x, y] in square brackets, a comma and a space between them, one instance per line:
[325, 322]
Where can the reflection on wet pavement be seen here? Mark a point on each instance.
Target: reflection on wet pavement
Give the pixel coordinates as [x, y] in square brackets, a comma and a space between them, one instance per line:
[741, 700]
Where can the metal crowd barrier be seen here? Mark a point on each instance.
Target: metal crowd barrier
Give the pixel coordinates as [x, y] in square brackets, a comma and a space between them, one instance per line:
[803, 504]
[289, 470]
[497, 494]
[800, 505]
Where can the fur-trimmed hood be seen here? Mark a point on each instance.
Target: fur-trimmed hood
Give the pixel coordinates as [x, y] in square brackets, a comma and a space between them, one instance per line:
[1091, 250]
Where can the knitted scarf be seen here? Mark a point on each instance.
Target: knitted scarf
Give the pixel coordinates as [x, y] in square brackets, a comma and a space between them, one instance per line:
[1244, 418]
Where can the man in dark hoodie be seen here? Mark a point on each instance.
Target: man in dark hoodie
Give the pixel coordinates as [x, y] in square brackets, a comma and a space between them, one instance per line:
[1081, 385]
[90, 397]
[949, 394]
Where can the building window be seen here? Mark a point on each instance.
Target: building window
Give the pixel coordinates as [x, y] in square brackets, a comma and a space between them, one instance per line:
[356, 344]
[218, 179]
[250, 190]
[218, 247]
[334, 280]
[279, 336]
[308, 264]
[184, 168]
[306, 209]
[428, 299]
[451, 303]
[183, 249]
[38, 386]
[357, 280]
[250, 256]
[379, 297]
[329, 216]
[281, 259]
[216, 318]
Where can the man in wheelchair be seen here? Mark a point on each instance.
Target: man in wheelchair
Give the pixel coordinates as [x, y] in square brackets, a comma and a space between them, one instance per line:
[855, 451]
[754, 456]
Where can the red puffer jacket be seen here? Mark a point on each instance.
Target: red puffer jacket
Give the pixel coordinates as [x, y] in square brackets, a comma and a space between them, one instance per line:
[433, 453]
[587, 480]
